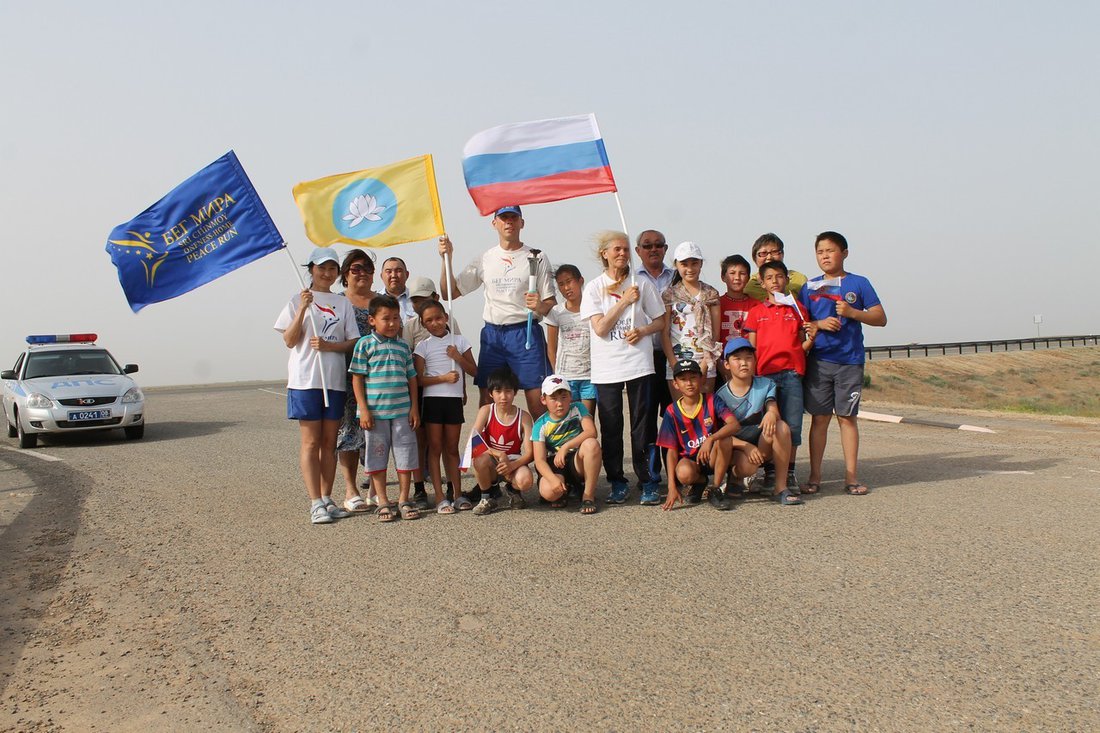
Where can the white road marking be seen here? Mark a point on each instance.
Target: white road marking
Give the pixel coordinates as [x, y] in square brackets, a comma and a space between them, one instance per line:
[36, 454]
[879, 417]
[1025, 473]
[271, 391]
[975, 429]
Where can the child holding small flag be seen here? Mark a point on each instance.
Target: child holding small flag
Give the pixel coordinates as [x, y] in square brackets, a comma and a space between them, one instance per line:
[839, 303]
[500, 445]
[778, 327]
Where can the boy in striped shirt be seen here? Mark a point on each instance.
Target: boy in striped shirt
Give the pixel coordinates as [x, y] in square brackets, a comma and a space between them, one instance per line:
[384, 381]
[695, 443]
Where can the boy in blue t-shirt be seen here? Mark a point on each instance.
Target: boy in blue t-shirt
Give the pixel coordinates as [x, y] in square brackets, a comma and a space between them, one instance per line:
[762, 434]
[839, 304]
[567, 454]
[695, 446]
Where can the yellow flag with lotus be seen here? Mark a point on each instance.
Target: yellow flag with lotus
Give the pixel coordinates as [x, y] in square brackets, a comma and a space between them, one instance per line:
[377, 207]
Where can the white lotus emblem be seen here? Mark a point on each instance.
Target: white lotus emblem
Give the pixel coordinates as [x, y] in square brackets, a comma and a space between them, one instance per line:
[363, 208]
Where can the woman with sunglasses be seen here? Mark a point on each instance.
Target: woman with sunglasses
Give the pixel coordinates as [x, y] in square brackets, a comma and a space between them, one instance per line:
[357, 277]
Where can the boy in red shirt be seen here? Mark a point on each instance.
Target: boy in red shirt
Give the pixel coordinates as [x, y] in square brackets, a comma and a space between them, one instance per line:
[734, 304]
[782, 333]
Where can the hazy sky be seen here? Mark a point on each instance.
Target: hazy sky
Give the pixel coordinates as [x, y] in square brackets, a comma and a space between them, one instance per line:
[955, 144]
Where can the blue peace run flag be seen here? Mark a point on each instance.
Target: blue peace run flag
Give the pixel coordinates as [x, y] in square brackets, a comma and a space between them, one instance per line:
[206, 227]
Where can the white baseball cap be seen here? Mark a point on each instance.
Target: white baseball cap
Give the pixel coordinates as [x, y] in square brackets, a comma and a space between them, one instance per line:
[555, 383]
[687, 251]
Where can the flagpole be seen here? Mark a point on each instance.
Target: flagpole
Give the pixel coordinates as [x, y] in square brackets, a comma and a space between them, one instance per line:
[313, 323]
[630, 256]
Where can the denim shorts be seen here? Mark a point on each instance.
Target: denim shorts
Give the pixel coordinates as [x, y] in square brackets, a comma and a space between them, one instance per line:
[788, 397]
[582, 389]
[309, 404]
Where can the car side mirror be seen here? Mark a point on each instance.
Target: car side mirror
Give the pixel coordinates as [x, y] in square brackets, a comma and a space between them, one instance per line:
[7, 374]
[129, 368]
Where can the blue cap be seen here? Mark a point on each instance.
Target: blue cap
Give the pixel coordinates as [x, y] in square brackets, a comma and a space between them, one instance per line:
[736, 344]
[508, 210]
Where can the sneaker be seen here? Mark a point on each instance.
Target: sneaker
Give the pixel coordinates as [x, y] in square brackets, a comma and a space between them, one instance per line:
[693, 494]
[792, 483]
[420, 499]
[650, 494]
[320, 515]
[336, 512]
[769, 477]
[514, 498]
[485, 506]
[718, 498]
[619, 490]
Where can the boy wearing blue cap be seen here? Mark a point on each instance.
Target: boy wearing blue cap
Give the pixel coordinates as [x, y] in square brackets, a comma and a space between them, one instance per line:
[762, 434]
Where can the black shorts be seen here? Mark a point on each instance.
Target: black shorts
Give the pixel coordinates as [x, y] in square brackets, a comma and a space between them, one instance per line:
[442, 411]
[569, 473]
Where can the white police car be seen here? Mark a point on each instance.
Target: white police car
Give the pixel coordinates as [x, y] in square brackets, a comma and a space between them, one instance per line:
[67, 384]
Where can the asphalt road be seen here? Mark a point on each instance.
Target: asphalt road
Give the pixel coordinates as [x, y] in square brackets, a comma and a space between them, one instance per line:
[176, 584]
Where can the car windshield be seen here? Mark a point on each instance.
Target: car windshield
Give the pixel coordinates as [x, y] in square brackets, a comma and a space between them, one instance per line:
[68, 363]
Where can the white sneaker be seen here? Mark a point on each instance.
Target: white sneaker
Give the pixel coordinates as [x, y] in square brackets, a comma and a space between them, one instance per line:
[320, 515]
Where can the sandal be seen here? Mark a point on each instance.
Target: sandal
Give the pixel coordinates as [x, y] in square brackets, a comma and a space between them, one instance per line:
[588, 506]
[561, 502]
[445, 507]
[408, 510]
[811, 487]
[463, 504]
[786, 497]
[356, 505]
[856, 489]
[386, 513]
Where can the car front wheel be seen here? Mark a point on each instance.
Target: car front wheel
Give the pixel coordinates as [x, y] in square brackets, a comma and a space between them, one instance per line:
[134, 432]
[26, 440]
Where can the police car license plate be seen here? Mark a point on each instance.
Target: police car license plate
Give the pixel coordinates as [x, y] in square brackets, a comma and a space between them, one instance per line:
[89, 415]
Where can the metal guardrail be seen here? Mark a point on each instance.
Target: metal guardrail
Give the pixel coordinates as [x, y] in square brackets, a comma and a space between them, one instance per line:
[908, 351]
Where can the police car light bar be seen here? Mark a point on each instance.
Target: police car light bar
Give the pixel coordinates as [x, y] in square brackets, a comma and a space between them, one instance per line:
[61, 338]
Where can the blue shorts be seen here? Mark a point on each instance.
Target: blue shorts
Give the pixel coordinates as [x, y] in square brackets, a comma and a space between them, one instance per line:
[308, 404]
[507, 346]
[788, 397]
[582, 389]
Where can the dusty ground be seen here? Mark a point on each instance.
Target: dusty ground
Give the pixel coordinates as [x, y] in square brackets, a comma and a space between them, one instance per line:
[176, 584]
[1059, 381]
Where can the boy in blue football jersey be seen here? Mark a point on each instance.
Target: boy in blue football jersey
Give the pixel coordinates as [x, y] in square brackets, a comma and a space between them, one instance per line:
[762, 434]
[839, 304]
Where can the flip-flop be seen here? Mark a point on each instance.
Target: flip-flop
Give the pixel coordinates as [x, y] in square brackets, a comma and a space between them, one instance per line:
[386, 513]
[356, 505]
[811, 487]
[445, 507]
[856, 489]
[463, 504]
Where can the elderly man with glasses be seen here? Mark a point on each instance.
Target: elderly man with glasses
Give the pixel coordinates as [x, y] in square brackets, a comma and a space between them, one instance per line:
[766, 248]
[651, 249]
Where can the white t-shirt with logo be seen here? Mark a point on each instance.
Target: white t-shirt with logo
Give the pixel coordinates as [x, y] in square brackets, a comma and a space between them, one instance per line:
[505, 273]
[433, 350]
[574, 338]
[613, 359]
[335, 319]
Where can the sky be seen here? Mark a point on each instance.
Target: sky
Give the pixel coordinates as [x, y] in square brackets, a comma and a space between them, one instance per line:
[954, 144]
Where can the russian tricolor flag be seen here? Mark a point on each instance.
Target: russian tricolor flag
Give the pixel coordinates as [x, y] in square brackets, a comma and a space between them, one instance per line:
[536, 162]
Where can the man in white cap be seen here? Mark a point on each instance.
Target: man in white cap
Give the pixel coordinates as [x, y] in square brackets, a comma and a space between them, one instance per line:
[505, 270]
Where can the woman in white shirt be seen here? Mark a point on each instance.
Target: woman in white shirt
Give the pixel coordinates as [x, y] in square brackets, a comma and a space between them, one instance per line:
[622, 315]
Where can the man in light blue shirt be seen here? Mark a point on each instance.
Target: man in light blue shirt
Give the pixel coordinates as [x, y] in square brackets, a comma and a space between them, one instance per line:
[651, 250]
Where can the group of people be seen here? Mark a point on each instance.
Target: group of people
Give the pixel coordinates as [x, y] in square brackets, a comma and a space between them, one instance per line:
[716, 383]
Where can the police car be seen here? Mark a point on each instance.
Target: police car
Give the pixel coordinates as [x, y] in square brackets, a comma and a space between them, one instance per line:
[67, 384]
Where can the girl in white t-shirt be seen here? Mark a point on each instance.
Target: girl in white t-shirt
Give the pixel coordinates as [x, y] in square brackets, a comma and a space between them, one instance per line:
[442, 362]
[310, 354]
